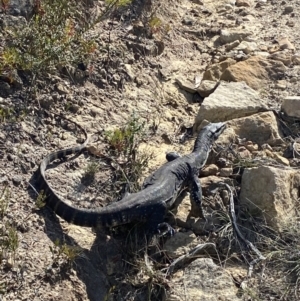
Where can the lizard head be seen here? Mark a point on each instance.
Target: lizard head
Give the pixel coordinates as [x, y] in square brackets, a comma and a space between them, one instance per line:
[214, 130]
[208, 135]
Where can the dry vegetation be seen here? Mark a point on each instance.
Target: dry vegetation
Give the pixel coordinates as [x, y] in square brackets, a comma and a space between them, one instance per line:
[57, 38]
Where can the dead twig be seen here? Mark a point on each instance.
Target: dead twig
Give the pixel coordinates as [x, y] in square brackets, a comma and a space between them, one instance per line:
[190, 255]
[249, 245]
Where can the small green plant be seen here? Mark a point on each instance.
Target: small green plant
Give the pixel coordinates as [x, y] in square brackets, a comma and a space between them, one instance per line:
[5, 114]
[124, 144]
[90, 170]
[124, 140]
[8, 234]
[11, 241]
[56, 36]
[2, 287]
[118, 3]
[4, 200]
[64, 253]
[157, 26]
[53, 37]
[41, 200]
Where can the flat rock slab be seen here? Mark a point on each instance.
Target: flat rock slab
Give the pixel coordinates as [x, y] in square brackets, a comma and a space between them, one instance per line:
[180, 244]
[204, 280]
[275, 191]
[228, 101]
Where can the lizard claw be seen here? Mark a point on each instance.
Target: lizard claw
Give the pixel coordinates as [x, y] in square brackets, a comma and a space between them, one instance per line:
[165, 228]
[203, 216]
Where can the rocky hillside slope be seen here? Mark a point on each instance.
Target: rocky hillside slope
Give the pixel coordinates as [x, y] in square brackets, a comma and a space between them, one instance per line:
[140, 77]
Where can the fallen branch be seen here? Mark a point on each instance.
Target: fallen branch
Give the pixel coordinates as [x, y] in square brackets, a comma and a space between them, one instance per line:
[241, 236]
[190, 255]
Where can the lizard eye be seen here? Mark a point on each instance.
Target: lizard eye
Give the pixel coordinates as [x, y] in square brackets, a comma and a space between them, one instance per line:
[219, 128]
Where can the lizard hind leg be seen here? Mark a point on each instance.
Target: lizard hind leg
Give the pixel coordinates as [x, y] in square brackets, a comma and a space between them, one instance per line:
[171, 156]
[156, 224]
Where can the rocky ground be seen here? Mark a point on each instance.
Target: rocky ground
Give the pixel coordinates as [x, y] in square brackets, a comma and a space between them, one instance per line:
[174, 65]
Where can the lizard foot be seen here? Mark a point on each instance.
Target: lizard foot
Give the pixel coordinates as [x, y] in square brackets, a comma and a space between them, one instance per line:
[203, 216]
[165, 228]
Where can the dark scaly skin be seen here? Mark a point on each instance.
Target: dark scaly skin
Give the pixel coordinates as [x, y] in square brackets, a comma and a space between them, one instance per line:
[149, 205]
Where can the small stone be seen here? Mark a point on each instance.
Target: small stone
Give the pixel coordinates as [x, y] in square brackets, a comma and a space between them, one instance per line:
[168, 115]
[206, 87]
[296, 59]
[186, 85]
[251, 147]
[245, 3]
[281, 159]
[288, 9]
[244, 152]
[10, 157]
[229, 6]
[3, 180]
[17, 180]
[65, 136]
[286, 44]
[230, 17]
[130, 73]
[74, 108]
[226, 171]
[232, 45]
[247, 47]
[62, 89]
[290, 23]
[260, 3]
[12, 77]
[281, 85]
[268, 153]
[209, 170]
[9, 263]
[267, 146]
[188, 21]
[248, 18]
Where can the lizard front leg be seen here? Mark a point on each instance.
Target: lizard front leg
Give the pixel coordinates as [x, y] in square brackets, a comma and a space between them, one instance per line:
[151, 179]
[196, 193]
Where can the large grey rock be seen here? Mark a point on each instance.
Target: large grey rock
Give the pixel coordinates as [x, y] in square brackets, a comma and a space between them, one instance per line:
[229, 36]
[230, 100]
[204, 280]
[255, 71]
[275, 191]
[259, 128]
